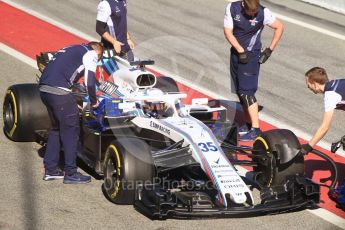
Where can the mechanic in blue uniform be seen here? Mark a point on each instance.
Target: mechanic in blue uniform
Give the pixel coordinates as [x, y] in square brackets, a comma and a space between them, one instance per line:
[56, 81]
[243, 24]
[334, 98]
[111, 25]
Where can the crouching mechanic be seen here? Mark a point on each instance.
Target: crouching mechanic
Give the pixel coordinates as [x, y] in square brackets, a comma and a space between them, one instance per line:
[243, 24]
[334, 98]
[55, 83]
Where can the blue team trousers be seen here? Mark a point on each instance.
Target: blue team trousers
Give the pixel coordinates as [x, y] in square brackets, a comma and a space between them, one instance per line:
[64, 133]
[245, 76]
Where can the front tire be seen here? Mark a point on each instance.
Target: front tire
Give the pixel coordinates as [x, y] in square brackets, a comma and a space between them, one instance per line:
[24, 113]
[127, 163]
[277, 145]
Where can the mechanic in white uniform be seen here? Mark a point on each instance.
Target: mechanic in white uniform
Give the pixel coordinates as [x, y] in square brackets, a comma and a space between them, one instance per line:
[334, 98]
[111, 25]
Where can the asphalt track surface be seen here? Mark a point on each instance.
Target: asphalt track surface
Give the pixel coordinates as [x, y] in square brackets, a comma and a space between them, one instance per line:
[191, 33]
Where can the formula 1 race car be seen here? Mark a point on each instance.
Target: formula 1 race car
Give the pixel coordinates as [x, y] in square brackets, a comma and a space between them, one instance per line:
[167, 158]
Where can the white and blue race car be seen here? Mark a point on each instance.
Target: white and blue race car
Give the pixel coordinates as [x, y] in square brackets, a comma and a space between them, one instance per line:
[167, 158]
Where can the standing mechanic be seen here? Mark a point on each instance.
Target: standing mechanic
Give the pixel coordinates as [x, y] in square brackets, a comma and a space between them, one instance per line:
[334, 98]
[55, 88]
[111, 25]
[243, 23]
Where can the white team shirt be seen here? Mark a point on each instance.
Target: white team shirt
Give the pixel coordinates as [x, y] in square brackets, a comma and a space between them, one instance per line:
[269, 17]
[331, 99]
[103, 11]
[90, 60]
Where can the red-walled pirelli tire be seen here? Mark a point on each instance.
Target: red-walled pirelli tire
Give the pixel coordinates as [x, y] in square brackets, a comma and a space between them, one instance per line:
[282, 146]
[24, 113]
[127, 163]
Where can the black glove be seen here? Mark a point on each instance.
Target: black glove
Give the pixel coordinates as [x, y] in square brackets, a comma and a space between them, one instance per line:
[265, 55]
[243, 57]
[305, 149]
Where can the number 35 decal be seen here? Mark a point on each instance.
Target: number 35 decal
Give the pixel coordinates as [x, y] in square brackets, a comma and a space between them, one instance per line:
[208, 146]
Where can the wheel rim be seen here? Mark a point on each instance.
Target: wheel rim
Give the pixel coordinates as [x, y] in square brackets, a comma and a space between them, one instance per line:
[8, 114]
[265, 173]
[111, 177]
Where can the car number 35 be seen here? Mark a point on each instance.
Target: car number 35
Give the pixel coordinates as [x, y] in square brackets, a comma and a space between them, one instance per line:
[208, 146]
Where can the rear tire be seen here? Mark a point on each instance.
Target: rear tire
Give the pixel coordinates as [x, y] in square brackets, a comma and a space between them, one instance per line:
[24, 113]
[276, 173]
[127, 163]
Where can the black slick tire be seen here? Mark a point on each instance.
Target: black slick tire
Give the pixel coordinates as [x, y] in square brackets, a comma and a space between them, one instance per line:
[275, 173]
[127, 163]
[24, 113]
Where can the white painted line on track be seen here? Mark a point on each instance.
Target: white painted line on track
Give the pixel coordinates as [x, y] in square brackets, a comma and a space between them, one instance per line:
[21, 57]
[323, 213]
[326, 215]
[311, 27]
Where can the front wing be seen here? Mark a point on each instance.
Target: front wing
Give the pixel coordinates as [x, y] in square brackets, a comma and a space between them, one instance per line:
[156, 203]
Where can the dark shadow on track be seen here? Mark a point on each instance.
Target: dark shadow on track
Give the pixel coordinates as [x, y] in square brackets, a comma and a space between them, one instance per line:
[312, 166]
[80, 164]
[27, 187]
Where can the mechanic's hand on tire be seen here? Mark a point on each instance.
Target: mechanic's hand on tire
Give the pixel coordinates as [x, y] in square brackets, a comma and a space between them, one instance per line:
[243, 57]
[305, 149]
[117, 46]
[265, 55]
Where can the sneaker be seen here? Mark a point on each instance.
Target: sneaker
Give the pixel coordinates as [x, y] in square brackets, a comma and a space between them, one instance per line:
[76, 178]
[53, 175]
[251, 135]
[244, 129]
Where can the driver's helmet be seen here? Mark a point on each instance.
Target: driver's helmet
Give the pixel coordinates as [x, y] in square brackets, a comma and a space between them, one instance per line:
[154, 107]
